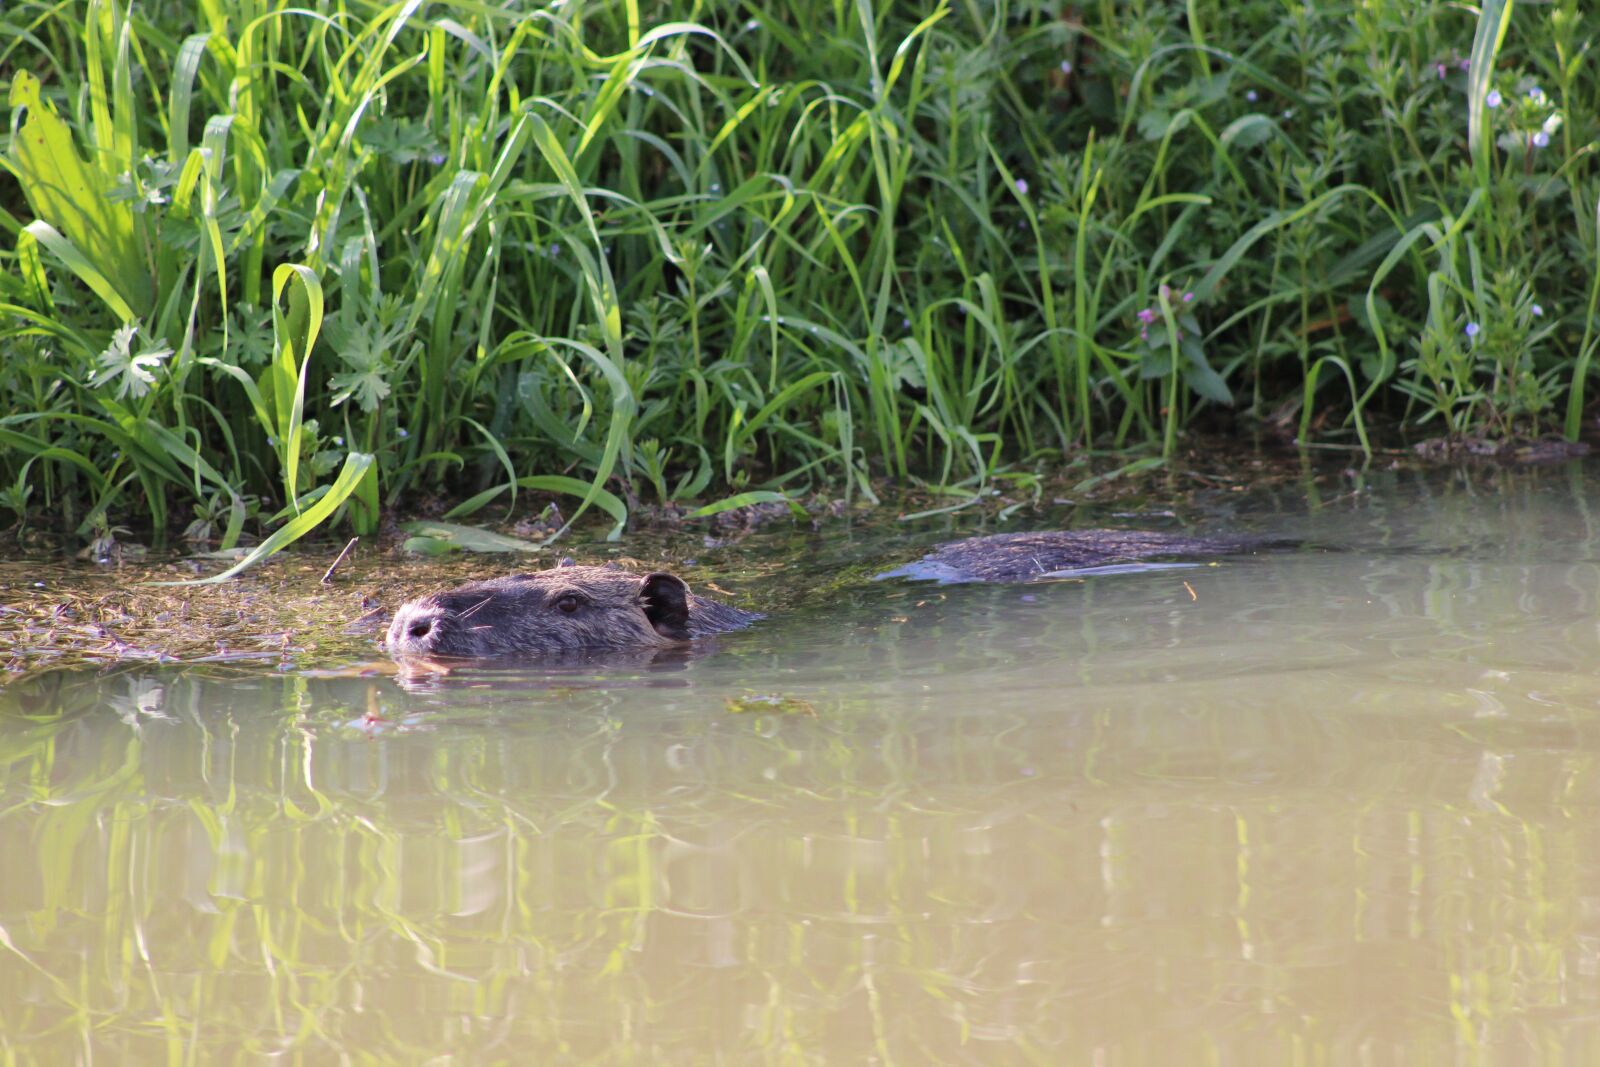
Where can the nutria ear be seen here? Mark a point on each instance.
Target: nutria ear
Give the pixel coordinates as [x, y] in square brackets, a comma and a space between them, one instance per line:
[665, 600]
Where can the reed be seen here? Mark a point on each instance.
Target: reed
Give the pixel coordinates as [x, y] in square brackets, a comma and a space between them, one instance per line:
[278, 267]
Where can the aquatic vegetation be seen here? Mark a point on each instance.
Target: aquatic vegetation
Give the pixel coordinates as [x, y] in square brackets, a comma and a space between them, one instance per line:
[284, 267]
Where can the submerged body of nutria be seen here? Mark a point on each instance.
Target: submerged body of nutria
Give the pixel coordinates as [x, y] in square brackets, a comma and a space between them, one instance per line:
[565, 609]
[1026, 557]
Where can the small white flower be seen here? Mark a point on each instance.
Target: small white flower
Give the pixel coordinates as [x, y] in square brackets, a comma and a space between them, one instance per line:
[1066, 66]
[1493, 99]
[1538, 311]
[133, 372]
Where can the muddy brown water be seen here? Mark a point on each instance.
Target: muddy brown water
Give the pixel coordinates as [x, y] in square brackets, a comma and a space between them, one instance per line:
[1324, 806]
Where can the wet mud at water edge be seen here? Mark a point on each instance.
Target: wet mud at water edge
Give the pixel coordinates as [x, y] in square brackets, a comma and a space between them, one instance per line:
[1336, 804]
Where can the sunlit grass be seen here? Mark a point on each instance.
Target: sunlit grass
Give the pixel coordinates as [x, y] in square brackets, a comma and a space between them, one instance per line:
[291, 264]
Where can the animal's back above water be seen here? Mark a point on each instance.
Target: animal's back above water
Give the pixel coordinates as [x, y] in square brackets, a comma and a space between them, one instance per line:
[1024, 557]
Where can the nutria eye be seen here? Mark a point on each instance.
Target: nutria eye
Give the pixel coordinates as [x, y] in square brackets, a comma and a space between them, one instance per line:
[568, 603]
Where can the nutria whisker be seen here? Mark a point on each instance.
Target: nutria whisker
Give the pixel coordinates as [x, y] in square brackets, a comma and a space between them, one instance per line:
[475, 607]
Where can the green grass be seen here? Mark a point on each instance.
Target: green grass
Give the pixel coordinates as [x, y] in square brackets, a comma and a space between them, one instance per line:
[289, 265]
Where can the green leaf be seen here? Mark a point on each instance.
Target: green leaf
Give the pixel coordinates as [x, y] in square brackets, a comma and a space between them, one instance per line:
[1199, 376]
[75, 199]
[430, 546]
[1138, 466]
[1494, 19]
[296, 334]
[744, 500]
[470, 538]
[605, 500]
[355, 468]
[81, 265]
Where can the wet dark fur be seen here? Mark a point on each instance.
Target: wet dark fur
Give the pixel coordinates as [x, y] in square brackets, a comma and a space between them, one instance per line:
[1022, 557]
[522, 614]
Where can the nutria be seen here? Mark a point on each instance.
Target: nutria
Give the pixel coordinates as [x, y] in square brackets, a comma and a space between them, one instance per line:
[565, 609]
[1024, 557]
[573, 609]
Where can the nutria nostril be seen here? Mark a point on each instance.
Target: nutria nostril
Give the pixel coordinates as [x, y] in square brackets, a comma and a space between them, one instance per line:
[421, 628]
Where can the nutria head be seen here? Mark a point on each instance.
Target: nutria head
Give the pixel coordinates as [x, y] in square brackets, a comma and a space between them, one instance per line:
[565, 609]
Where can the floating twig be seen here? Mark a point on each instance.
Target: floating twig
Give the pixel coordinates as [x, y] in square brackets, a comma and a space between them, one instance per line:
[327, 578]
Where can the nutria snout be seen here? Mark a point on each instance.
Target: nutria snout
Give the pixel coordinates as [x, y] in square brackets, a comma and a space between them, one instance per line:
[564, 609]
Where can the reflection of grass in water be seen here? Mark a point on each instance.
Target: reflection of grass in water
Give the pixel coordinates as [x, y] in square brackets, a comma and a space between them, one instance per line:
[580, 876]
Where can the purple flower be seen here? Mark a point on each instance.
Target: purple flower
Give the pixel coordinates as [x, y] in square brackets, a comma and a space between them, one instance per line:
[1066, 66]
[1166, 292]
[1465, 64]
[437, 158]
[1440, 67]
[1188, 298]
[1147, 315]
[1538, 311]
[1252, 96]
[1022, 186]
[1472, 329]
[402, 433]
[1493, 99]
[1541, 140]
